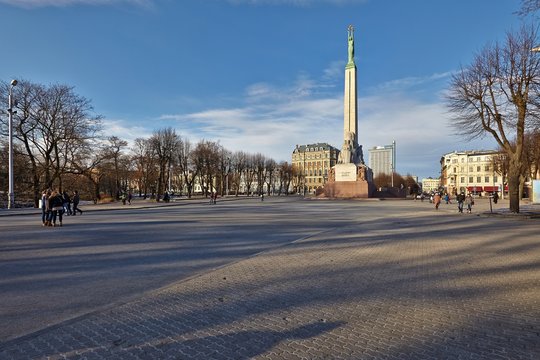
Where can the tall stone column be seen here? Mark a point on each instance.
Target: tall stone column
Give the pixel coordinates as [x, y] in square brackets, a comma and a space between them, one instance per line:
[350, 112]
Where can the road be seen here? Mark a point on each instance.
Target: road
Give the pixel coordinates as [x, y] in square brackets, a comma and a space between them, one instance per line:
[399, 255]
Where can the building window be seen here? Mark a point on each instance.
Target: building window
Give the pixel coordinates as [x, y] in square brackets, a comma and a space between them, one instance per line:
[470, 169]
[462, 179]
[462, 160]
[470, 179]
[495, 178]
[486, 179]
[486, 168]
[479, 179]
[478, 169]
[454, 161]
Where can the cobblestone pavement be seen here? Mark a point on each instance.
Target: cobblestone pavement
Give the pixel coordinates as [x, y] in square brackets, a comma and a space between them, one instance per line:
[413, 286]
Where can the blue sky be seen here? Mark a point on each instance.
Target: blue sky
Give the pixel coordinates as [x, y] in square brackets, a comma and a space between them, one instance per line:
[259, 75]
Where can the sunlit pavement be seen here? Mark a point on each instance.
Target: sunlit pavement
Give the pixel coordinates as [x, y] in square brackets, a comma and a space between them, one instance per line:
[347, 279]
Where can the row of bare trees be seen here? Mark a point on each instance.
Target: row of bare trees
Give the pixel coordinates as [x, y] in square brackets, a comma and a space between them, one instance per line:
[59, 143]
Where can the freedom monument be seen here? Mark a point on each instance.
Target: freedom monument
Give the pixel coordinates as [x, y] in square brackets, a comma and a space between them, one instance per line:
[350, 177]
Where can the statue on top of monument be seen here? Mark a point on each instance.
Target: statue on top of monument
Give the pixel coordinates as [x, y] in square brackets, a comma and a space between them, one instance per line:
[351, 44]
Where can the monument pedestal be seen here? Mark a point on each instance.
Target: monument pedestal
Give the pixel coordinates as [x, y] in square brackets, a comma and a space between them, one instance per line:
[349, 181]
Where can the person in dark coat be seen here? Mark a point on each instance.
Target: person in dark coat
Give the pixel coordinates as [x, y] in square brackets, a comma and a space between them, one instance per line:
[56, 207]
[76, 200]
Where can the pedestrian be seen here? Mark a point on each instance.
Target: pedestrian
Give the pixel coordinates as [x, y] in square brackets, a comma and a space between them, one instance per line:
[124, 198]
[262, 196]
[56, 207]
[215, 198]
[437, 200]
[495, 197]
[469, 201]
[44, 205]
[67, 203]
[447, 198]
[460, 198]
[130, 196]
[76, 200]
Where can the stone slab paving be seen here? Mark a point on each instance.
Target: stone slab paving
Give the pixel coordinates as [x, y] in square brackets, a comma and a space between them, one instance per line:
[407, 287]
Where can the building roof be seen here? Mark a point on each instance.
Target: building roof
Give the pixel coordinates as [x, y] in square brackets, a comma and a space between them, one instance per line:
[312, 147]
[473, 152]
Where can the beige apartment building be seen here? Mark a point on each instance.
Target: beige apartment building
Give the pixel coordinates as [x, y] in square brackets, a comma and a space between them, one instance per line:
[313, 162]
[430, 185]
[471, 172]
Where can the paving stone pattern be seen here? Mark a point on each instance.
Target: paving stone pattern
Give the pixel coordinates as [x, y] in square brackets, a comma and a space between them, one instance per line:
[355, 292]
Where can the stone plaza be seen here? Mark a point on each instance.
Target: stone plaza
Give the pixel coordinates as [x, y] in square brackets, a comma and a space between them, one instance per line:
[283, 278]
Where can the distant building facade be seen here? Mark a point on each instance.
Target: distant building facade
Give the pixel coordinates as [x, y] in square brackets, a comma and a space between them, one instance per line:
[430, 184]
[471, 172]
[382, 159]
[314, 161]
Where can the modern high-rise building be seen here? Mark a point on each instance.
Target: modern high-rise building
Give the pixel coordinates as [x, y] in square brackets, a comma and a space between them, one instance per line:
[382, 159]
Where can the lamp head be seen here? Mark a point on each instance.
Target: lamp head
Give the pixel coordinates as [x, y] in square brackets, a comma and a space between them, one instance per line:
[14, 82]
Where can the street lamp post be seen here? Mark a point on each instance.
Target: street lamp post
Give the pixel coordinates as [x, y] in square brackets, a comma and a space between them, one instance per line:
[11, 195]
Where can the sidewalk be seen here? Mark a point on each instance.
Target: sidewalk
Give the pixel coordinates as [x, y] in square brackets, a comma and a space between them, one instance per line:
[501, 209]
[136, 203]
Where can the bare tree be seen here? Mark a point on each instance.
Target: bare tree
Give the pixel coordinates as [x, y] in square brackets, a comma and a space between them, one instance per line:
[51, 122]
[224, 161]
[145, 165]
[498, 95]
[238, 163]
[165, 143]
[250, 173]
[285, 174]
[114, 152]
[528, 7]
[270, 170]
[186, 165]
[206, 160]
[298, 179]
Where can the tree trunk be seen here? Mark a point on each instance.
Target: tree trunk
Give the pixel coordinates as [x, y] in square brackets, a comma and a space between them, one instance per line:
[513, 186]
[37, 190]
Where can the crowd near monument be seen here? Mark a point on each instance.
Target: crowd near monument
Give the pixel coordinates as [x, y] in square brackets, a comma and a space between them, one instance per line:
[350, 177]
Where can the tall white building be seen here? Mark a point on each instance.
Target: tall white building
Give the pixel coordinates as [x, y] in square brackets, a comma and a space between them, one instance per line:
[382, 159]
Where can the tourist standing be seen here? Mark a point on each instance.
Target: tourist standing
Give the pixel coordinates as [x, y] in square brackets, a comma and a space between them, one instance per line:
[44, 204]
[469, 201]
[76, 200]
[460, 198]
[56, 208]
[67, 202]
[437, 200]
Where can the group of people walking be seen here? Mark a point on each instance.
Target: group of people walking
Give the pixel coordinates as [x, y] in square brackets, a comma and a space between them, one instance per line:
[467, 200]
[54, 204]
[461, 200]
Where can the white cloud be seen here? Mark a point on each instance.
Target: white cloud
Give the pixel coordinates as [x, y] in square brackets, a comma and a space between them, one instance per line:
[412, 81]
[28, 4]
[124, 131]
